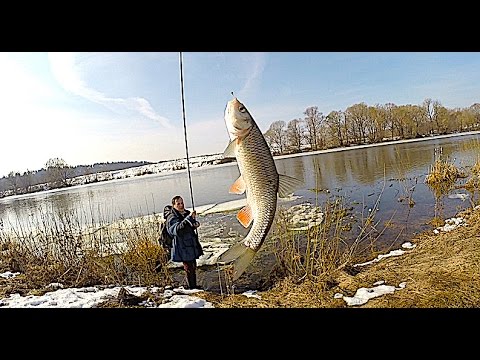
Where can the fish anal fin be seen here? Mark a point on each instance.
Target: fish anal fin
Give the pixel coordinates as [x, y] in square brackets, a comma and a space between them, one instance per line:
[240, 256]
[238, 187]
[245, 216]
[287, 185]
[230, 150]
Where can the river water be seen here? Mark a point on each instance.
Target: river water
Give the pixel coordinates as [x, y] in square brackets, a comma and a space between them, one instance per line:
[379, 178]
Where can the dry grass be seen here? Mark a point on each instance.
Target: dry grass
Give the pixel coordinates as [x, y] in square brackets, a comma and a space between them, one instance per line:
[476, 167]
[442, 172]
[59, 249]
[442, 271]
[473, 183]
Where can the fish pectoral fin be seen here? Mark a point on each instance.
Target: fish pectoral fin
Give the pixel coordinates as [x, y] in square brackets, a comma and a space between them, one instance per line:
[238, 187]
[245, 216]
[241, 256]
[287, 185]
[230, 150]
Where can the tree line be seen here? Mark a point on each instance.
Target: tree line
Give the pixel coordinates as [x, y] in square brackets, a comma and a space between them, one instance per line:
[56, 174]
[363, 124]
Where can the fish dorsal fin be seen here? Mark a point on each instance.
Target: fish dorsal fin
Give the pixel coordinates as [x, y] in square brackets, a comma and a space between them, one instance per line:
[287, 185]
[230, 150]
[238, 187]
[245, 216]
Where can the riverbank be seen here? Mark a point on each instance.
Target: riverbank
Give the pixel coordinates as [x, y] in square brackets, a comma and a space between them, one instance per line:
[353, 147]
[179, 166]
[436, 269]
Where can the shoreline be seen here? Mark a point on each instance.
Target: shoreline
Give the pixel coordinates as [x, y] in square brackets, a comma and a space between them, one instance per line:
[128, 176]
[354, 147]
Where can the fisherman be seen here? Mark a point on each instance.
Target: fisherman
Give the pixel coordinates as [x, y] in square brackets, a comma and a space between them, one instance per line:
[182, 226]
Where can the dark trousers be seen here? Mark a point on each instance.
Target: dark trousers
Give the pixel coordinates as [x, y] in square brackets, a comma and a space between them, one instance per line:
[190, 268]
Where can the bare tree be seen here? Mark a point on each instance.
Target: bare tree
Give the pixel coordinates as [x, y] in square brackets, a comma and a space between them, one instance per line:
[475, 109]
[375, 126]
[465, 119]
[295, 135]
[444, 119]
[58, 172]
[26, 181]
[359, 116]
[313, 122]
[276, 137]
[389, 121]
[433, 110]
[416, 114]
[334, 123]
[13, 180]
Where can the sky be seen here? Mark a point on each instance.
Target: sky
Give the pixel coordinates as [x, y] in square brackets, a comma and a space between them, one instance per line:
[87, 108]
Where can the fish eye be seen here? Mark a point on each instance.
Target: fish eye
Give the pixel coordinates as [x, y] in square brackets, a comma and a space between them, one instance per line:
[242, 109]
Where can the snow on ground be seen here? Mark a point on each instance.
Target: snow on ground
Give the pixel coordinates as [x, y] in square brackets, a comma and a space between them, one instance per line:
[406, 245]
[451, 224]
[364, 294]
[88, 297]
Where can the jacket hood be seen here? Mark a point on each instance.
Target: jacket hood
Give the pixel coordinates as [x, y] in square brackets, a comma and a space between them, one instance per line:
[166, 211]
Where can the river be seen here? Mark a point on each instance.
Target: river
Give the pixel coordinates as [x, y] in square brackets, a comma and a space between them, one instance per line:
[377, 178]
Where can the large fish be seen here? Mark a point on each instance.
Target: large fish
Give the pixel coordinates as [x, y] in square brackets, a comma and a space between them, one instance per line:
[260, 181]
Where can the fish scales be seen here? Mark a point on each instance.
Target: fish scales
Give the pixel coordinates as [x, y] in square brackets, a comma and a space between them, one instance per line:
[260, 181]
[260, 174]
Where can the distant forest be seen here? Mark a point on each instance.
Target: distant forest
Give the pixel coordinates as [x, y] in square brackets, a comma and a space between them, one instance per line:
[364, 124]
[356, 125]
[55, 174]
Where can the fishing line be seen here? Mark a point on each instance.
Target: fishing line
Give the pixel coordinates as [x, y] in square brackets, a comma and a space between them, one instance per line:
[185, 131]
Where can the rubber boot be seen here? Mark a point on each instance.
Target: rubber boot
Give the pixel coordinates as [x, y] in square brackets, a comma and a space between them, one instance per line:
[190, 274]
[192, 279]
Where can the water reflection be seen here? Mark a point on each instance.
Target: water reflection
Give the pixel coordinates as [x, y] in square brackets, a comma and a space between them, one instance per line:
[394, 176]
[366, 166]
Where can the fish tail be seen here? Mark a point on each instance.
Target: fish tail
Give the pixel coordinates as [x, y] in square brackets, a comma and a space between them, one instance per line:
[240, 256]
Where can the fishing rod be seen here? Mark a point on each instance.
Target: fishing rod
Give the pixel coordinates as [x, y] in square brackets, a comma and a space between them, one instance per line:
[185, 130]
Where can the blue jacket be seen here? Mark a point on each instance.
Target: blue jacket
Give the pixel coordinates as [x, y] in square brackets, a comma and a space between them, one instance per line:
[186, 246]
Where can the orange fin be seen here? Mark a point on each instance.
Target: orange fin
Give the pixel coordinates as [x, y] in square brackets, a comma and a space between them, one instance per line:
[238, 187]
[245, 216]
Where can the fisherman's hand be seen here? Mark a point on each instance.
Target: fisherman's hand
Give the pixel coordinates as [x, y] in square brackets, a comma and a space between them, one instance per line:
[194, 213]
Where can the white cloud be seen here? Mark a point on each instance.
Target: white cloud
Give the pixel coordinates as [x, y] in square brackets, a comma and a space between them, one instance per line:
[69, 75]
[255, 67]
